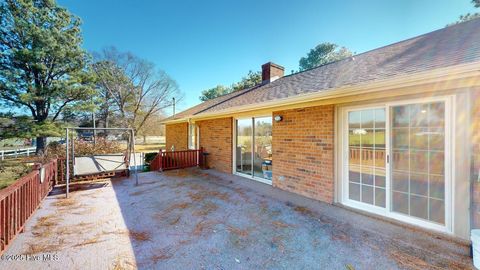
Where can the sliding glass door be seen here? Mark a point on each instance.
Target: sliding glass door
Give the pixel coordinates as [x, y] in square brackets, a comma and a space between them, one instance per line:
[397, 161]
[253, 151]
[244, 146]
[418, 160]
[366, 147]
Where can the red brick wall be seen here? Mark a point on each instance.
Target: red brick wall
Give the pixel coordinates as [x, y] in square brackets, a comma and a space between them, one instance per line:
[303, 152]
[216, 139]
[475, 134]
[177, 135]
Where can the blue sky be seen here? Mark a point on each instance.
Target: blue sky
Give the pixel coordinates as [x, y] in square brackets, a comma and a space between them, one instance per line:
[205, 43]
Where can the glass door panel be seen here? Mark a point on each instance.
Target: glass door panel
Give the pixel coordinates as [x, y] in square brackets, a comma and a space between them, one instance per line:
[367, 155]
[262, 165]
[418, 160]
[244, 146]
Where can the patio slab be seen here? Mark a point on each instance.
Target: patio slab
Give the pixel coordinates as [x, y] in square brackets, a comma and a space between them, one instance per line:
[193, 219]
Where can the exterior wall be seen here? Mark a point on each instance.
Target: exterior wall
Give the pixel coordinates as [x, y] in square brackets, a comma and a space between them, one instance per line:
[475, 135]
[216, 139]
[303, 152]
[177, 135]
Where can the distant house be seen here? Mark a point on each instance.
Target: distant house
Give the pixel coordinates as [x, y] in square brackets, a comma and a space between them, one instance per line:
[394, 131]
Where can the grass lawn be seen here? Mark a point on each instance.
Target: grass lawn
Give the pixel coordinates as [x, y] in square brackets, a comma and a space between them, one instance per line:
[147, 148]
[11, 170]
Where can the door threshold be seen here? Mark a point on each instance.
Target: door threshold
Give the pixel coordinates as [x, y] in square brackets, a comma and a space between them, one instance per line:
[258, 179]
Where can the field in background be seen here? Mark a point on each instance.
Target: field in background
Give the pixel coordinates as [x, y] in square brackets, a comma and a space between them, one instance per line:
[148, 148]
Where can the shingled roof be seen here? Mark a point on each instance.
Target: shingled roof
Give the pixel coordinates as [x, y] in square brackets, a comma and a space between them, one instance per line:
[450, 46]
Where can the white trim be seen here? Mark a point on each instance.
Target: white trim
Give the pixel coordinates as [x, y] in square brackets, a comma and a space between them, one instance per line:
[449, 102]
[336, 185]
[263, 180]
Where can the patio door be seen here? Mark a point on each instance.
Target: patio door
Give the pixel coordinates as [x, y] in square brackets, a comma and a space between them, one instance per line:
[397, 161]
[253, 148]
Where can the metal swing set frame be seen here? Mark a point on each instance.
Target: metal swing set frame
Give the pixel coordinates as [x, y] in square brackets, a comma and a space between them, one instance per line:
[130, 150]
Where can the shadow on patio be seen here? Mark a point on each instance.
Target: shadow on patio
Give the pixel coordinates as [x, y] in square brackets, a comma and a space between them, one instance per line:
[193, 219]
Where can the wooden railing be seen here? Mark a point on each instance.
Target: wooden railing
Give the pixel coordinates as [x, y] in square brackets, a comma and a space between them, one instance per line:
[176, 160]
[20, 200]
[366, 154]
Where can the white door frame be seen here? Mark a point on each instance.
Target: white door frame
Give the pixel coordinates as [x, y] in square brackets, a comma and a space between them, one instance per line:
[234, 152]
[449, 163]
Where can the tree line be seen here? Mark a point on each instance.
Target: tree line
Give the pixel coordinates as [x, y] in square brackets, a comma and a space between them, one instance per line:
[322, 54]
[46, 74]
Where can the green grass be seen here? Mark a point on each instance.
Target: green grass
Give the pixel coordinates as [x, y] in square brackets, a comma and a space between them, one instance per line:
[369, 139]
[145, 148]
[11, 170]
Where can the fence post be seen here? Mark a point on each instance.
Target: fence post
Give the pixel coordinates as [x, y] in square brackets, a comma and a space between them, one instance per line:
[56, 172]
[200, 157]
[3, 154]
[160, 160]
[16, 153]
[28, 152]
[36, 167]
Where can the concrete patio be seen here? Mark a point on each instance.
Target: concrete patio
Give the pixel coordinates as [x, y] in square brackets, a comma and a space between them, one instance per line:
[193, 219]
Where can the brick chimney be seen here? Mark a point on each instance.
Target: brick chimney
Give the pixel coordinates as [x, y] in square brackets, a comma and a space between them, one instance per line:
[271, 72]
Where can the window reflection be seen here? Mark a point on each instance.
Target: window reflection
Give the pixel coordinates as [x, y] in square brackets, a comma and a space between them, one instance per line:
[418, 142]
[263, 148]
[367, 156]
[254, 147]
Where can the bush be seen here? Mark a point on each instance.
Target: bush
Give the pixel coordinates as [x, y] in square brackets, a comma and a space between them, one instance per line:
[84, 148]
[11, 171]
[149, 157]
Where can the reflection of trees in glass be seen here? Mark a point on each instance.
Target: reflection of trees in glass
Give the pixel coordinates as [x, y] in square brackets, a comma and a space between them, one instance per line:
[263, 137]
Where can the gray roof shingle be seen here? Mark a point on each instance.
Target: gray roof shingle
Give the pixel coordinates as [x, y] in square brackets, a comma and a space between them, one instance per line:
[454, 45]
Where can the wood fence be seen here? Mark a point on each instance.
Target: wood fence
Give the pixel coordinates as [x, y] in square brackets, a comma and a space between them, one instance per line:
[170, 160]
[20, 200]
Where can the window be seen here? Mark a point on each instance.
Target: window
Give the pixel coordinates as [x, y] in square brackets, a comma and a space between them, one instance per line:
[397, 161]
[253, 147]
[366, 143]
[192, 136]
[418, 152]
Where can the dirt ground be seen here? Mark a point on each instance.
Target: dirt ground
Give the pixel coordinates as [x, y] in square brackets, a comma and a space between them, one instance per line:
[193, 219]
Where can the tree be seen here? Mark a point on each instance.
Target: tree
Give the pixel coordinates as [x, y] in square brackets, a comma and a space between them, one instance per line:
[24, 127]
[42, 64]
[252, 79]
[132, 88]
[468, 16]
[214, 92]
[323, 54]
[152, 127]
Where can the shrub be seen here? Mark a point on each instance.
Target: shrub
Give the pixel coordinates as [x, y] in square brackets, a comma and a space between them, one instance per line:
[11, 170]
[84, 148]
[149, 157]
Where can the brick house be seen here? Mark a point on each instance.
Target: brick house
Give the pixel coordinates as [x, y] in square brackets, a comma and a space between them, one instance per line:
[393, 131]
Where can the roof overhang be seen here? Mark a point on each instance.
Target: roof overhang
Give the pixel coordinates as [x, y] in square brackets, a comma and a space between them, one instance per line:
[465, 75]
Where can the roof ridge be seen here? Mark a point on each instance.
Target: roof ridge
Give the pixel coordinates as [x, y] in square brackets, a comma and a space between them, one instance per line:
[383, 47]
[435, 49]
[246, 90]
